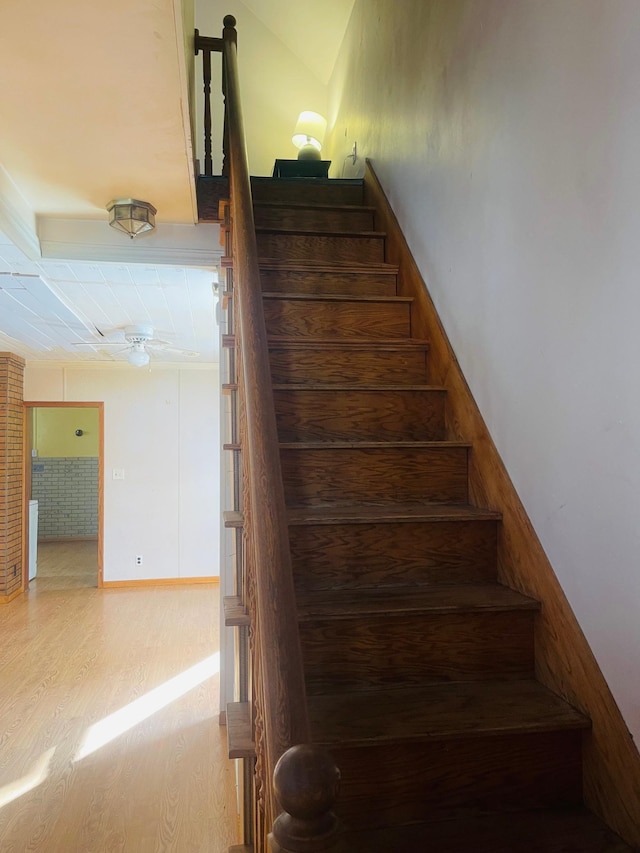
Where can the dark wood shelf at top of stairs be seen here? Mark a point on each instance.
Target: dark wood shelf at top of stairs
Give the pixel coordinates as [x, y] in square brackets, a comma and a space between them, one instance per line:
[419, 665]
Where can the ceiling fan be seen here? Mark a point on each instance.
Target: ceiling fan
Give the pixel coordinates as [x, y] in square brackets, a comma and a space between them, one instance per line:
[140, 343]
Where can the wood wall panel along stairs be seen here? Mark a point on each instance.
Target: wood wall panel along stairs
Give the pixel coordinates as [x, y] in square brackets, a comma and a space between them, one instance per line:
[419, 665]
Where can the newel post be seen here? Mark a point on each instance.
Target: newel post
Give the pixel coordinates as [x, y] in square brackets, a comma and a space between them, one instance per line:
[229, 33]
[306, 782]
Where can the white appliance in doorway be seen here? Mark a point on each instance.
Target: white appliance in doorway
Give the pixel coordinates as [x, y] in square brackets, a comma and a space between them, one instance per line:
[33, 539]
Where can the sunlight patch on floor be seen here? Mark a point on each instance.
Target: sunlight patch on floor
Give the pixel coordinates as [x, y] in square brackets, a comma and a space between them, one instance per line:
[121, 721]
[31, 780]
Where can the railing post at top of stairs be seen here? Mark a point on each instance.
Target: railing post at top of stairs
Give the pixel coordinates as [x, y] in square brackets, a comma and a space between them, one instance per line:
[229, 24]
[306, 783]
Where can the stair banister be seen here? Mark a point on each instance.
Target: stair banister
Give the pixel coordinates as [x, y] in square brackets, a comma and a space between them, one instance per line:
[283, 717]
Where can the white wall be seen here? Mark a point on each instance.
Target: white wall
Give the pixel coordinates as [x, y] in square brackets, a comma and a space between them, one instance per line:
[162, 428]
[506, 134]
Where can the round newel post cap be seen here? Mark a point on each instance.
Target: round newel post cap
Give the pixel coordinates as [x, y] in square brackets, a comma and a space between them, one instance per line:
[228, 21]
[306, 782]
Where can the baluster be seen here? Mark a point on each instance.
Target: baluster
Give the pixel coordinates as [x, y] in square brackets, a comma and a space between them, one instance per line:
[208, 46]
[306, 782]
[206, 72]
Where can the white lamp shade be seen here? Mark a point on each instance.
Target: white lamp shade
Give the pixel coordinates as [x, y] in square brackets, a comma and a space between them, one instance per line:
[309, 130]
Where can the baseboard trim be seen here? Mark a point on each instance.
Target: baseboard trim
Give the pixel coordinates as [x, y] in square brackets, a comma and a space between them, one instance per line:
[5, 599]
[564, 660]
[161, 582]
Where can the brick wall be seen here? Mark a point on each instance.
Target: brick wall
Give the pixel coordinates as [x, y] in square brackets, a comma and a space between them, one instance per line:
[11, 468]
[66, 489]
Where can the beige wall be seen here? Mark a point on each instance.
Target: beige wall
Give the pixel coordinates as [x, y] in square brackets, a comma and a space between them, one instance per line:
[161, 427]
[505, 133]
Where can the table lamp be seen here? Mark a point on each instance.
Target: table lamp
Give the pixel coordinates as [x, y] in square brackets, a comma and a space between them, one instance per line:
[308, 135]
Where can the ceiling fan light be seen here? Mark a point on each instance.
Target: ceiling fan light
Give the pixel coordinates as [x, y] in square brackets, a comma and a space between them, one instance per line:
[138, 357]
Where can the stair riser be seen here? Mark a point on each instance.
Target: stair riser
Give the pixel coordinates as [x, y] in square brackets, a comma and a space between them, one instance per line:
[326, 319]
[343, 283]
[348, 556]
[360, 415]
[400, 784]
[366, 367]
[367, 652]
[313, 220]
[307, 247]
[572, 831]
[338, 476]
[298, 191]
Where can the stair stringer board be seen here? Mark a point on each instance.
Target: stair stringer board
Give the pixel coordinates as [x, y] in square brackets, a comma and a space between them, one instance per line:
[564, 660]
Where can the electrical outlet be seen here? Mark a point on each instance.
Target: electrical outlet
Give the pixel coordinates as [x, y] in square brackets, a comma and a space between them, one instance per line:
[139, 560]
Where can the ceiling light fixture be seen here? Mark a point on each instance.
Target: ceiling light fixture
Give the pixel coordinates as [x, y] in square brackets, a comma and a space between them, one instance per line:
[131, 216]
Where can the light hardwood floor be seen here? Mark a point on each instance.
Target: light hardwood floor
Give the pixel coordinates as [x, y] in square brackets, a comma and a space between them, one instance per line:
[109, 737]
[67, 565]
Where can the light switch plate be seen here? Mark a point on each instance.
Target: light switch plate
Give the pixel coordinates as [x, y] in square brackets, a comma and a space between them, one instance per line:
[118, 473]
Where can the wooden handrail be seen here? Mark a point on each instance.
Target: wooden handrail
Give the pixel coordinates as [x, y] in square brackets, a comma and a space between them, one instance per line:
[295, 783]
[277, 644]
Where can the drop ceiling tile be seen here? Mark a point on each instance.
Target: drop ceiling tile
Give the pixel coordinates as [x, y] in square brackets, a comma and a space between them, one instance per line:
[17, 264]
[172, 275]
[88, 272]
[144, 276]
[56, 271]
[117, 274]
[158, 310]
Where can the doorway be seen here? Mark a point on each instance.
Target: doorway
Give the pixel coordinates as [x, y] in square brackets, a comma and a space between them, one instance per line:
[64, 481]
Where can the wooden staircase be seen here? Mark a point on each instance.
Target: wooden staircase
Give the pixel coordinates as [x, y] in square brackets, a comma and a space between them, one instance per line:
[419, 665]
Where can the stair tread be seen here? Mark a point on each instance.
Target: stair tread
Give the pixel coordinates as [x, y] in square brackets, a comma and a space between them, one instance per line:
[239, 730]
[297, 342]
[434, 599]
[567, 831]
[356, 267]
[373, 445]
[333, 297]
[289, 342]
[350, 386]
[235, 611]
[392, 513]
[313, 232]
[305, 206]
[357, 513]
[449, 710]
